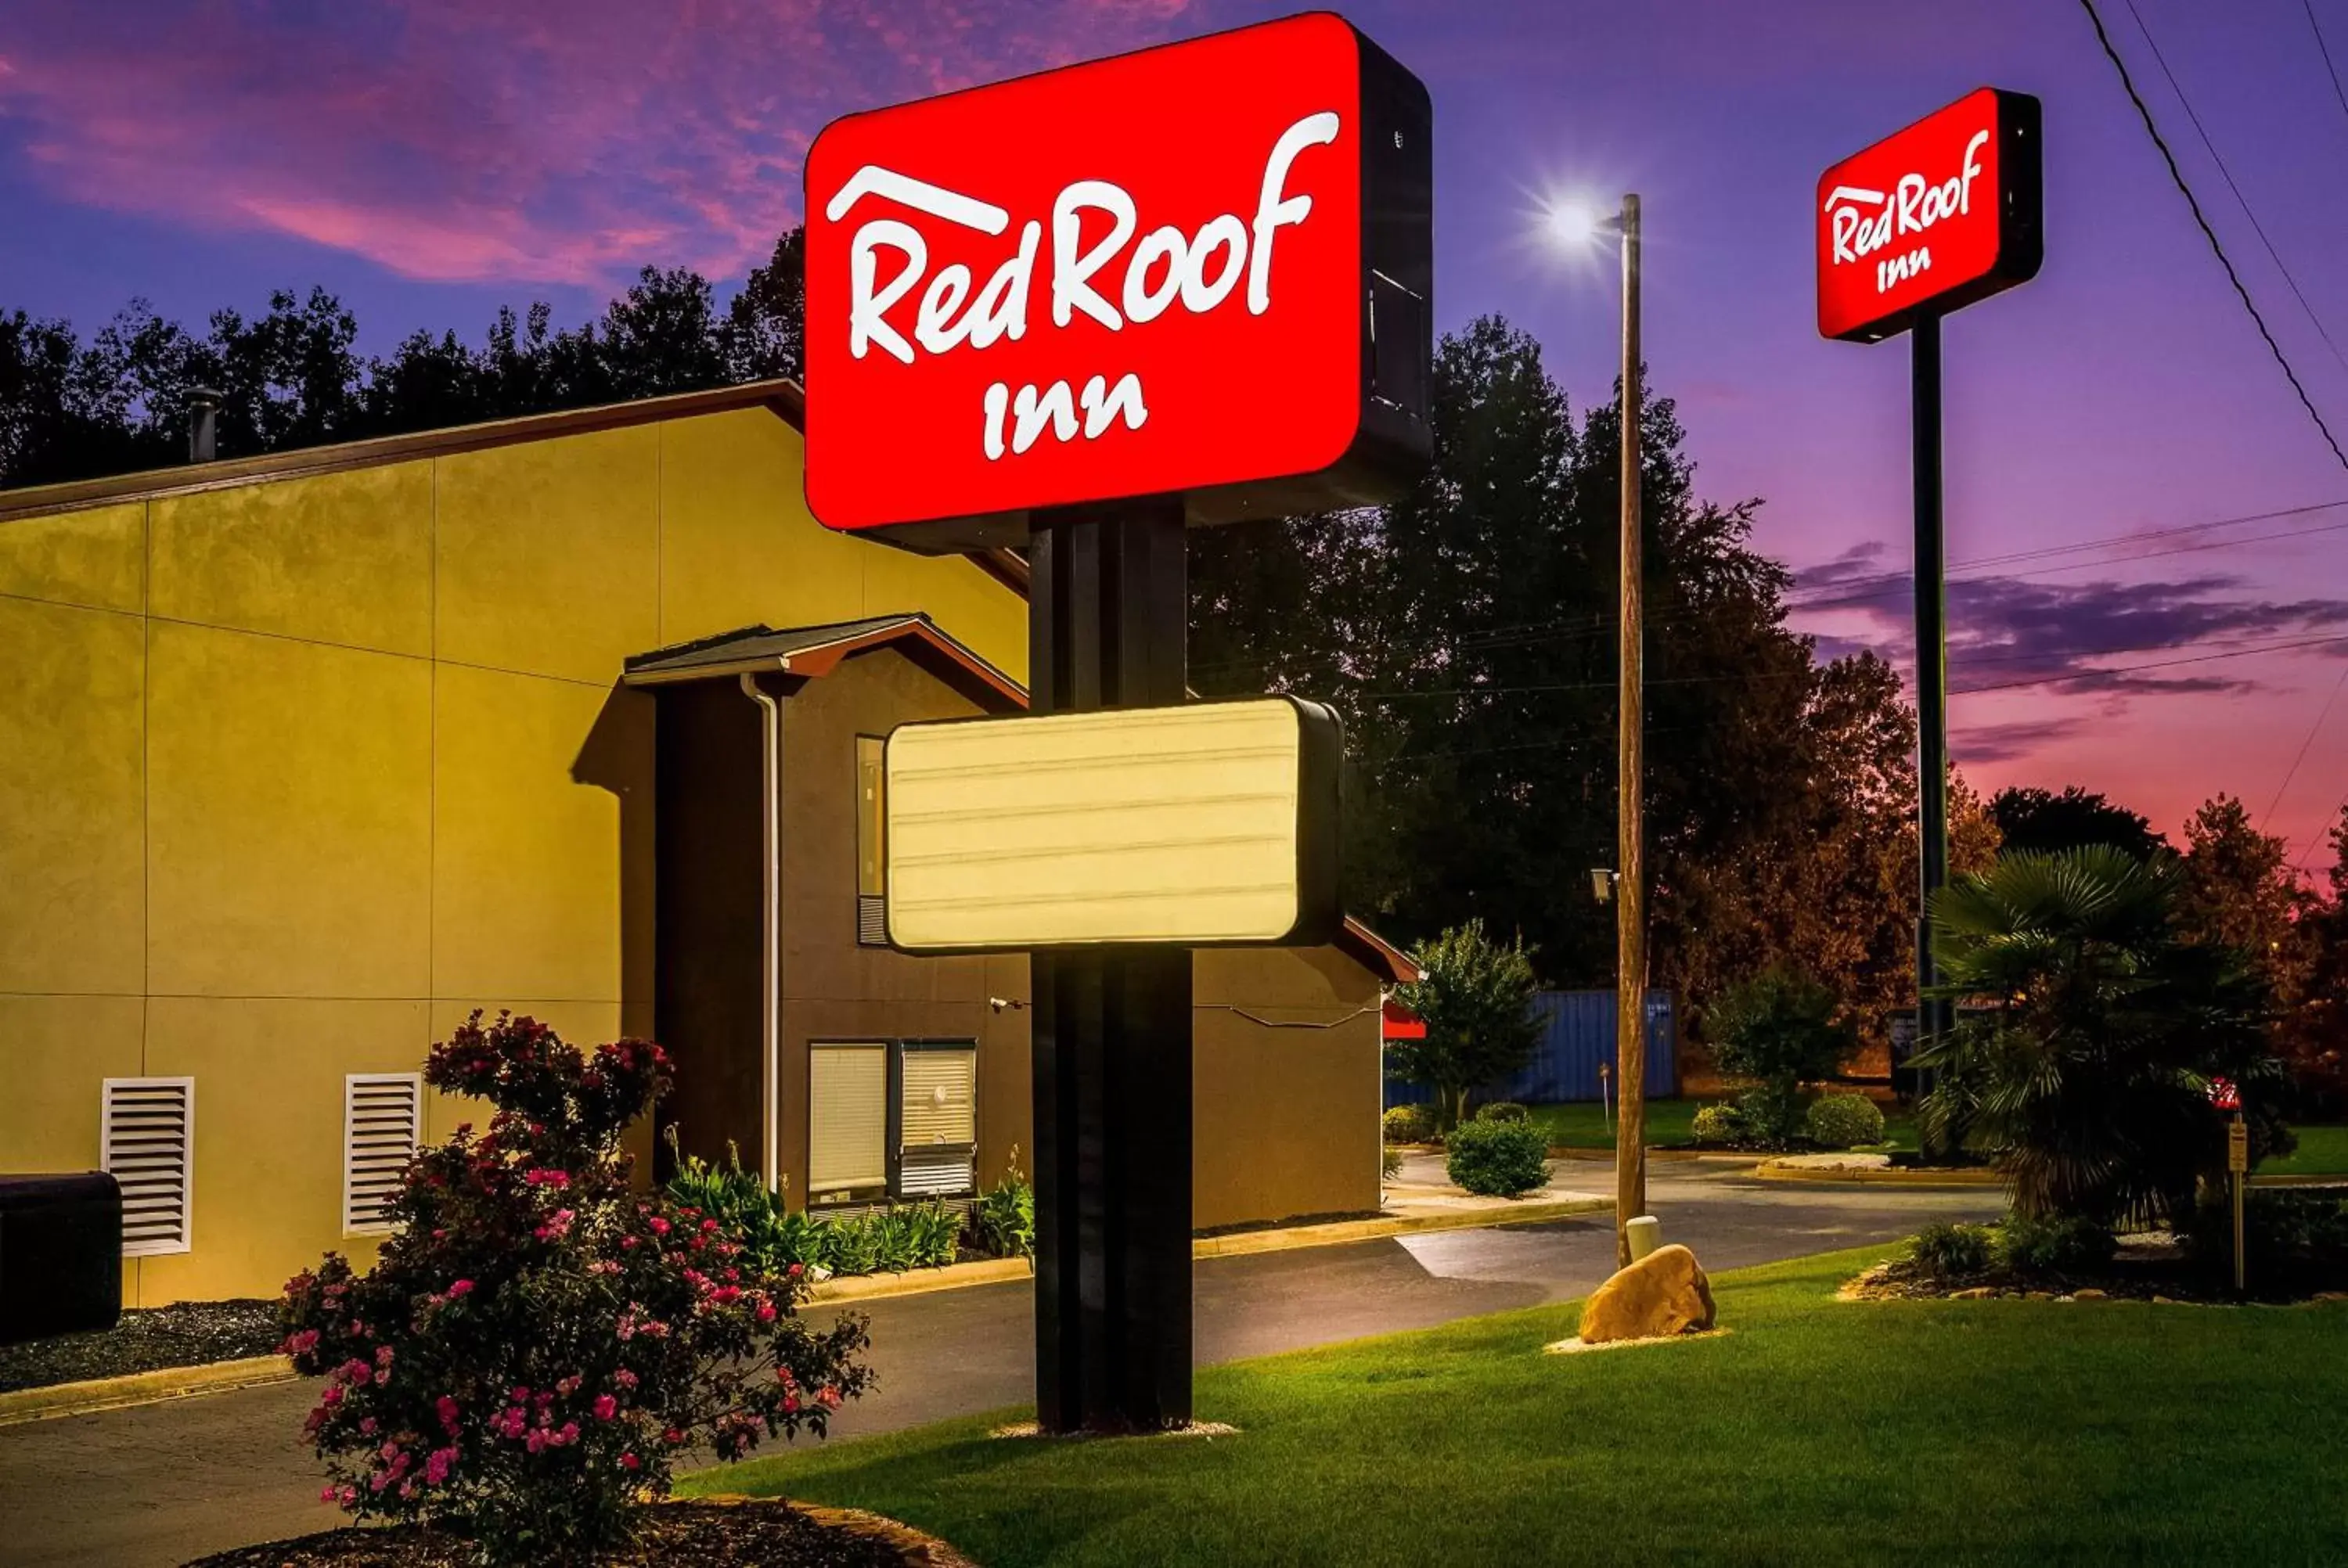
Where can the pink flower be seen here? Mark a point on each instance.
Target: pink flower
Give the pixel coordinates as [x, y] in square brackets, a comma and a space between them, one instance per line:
[547, 1178]
[301, 1344]
[567, 1436]
[660, 1225]
[446, 1406]
[709, 1225]
[331, 1397]
[765, 1312]
[791, 1404]
[626, 1379]
[460, 1288]
[436, 1466]
[797, 1269]
[672, 1437]
[347, 1495]
[366, 1428]
[537, 1442]
[828, 1397]
[606, 1407]
[383, 1356]
[630, 1461]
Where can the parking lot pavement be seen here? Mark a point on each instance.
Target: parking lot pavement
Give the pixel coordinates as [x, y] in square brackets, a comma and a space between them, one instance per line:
[152, 1486]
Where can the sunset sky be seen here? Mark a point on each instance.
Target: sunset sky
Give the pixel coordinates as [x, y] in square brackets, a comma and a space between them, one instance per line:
[431, 160]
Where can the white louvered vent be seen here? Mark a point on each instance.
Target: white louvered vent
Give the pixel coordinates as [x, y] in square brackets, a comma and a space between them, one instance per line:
[147, 1143]
[383, 1118]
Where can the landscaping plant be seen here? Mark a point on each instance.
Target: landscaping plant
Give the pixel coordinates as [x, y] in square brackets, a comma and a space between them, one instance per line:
[2087, 1030]
[1003, 1218]
[1410, 1124]
[1496, 1159]
[1502, 1111]
[1843, 1122]
[1944, 1251]
[538, 1342]
[1716, 1124]
[1475, 998]
[1777, 1031]
[2055, 1248]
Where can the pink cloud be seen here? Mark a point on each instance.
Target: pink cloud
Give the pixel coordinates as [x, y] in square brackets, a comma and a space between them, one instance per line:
[566, 141]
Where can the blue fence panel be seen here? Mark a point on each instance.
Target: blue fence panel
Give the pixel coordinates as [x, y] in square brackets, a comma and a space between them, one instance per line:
[1577, 1037]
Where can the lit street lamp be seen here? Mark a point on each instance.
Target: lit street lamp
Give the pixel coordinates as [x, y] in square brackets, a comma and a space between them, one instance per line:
[1569, 224]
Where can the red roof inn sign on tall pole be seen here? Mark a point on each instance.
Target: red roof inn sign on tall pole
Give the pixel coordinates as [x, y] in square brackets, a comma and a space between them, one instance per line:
[1202, 270]
[1938, 216]
[1921, 223]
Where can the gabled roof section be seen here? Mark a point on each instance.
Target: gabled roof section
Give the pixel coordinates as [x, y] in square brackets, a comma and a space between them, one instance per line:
[812, 652]
[783, 397]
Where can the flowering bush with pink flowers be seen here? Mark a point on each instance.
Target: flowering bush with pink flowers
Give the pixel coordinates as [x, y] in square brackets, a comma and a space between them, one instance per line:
[540, 1340]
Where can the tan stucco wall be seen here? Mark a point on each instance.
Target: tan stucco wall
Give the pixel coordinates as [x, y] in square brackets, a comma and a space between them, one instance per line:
[293, 774]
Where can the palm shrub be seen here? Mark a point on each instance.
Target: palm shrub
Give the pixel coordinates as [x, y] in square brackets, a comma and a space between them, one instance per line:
[1475, 997]
[1777, 1031]
[538, 1341]
[2088, 1032]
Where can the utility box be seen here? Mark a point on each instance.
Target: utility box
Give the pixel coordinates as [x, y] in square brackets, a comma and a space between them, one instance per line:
[60, 1255]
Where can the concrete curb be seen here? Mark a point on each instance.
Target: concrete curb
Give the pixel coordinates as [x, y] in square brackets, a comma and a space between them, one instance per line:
[920, 1281]
[1774, 1171]
[1338, 1233]
[1237, 1244]
[221, 1377]
[140, 1389]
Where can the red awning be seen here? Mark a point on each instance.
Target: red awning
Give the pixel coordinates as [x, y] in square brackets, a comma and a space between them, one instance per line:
[1401, 1023]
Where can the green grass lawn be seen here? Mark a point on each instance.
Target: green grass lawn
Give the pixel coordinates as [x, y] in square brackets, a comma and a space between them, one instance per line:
[1815, 1431]
[2322, 1151]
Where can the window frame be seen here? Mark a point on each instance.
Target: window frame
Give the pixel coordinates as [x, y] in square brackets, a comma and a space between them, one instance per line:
[894, 1123]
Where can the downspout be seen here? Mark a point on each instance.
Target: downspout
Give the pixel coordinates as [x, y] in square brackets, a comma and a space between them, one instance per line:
[770, 935]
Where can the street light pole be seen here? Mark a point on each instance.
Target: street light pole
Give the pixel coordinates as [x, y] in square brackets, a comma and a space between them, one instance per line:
[1631, 908]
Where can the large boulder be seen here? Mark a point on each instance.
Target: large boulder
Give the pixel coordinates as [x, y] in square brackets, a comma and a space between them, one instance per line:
[1663, 1293]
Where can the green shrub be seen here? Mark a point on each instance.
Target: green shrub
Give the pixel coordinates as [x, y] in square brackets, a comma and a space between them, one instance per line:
[1717, 1124]
[1003, 1218]
[1390, 1163]
[1503, 1111]
[2059, 1247]
[1496, 1159]
[1777, 1031]
[1410, 1124]
[2291, 1240]
[1947, 1252]
[538, 1342]
[1841, 1121]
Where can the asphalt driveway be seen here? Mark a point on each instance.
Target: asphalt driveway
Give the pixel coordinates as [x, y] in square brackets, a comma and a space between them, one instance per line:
[152, 1486]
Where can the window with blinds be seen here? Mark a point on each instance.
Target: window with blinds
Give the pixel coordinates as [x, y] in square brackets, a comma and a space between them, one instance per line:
[848, 1119]
[937, 1121]
[383, 1119]
[147, 1143]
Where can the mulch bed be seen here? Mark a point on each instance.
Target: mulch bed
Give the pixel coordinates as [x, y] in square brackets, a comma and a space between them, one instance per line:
[190, 1334]
[735, 1533]
[2148, 1269]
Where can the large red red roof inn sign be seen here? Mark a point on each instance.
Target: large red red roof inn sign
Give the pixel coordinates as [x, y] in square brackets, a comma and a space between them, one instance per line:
[1932, 218]
[1201, 269]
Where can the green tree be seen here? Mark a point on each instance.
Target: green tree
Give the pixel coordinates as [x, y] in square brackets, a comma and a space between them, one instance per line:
[2239, 890]
[2088, 1032]
[2313, 1034]
[1475, 998]
[2038, 819]
[1778, 1030]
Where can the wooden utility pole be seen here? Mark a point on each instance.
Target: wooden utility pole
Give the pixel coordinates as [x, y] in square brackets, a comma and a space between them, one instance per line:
[1631, 902]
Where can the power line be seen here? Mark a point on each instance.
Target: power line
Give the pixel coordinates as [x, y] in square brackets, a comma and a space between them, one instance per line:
[2227, 175]
[2324, 49]
[2313, 731]
[2177, 176]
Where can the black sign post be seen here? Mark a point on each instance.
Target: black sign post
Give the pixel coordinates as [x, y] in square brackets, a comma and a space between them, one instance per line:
[1932, 664]
[1107, 622]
